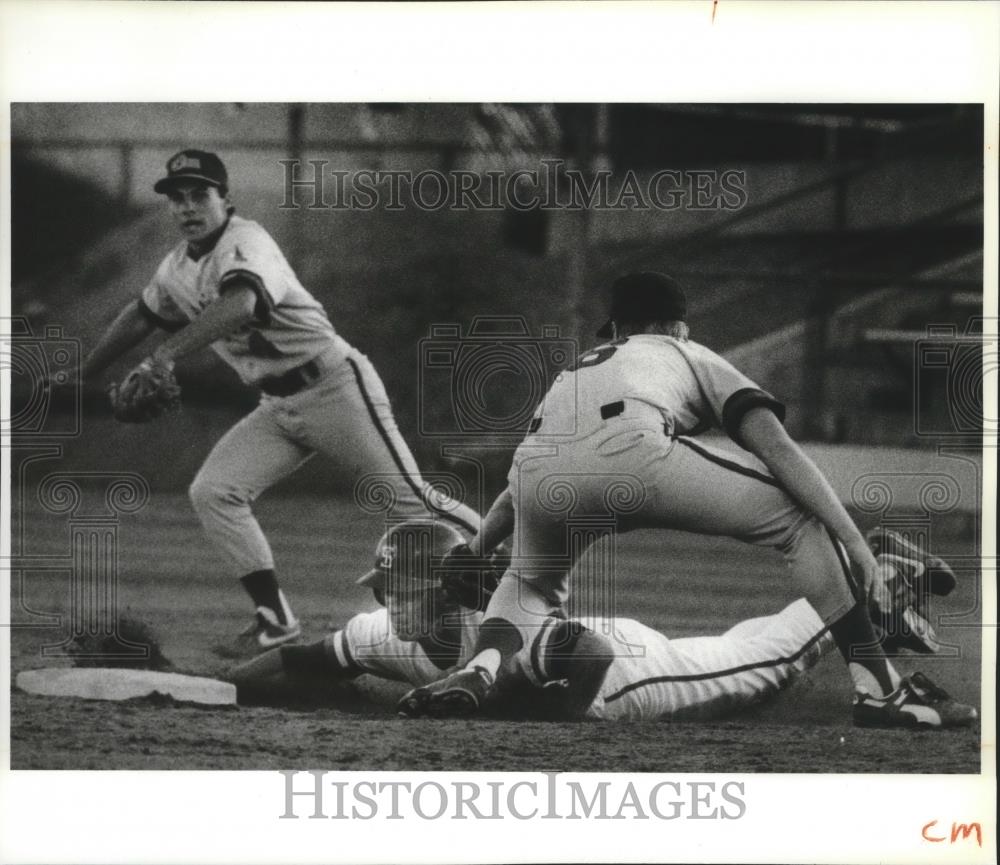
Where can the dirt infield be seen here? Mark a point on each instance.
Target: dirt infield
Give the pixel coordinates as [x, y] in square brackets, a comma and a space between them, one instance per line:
[169, 576]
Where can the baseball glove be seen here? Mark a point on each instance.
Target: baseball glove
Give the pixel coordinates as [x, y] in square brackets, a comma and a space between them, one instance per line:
[469, 580]
[898, 602]
[896, 606]
[934, 574]
[147, 392]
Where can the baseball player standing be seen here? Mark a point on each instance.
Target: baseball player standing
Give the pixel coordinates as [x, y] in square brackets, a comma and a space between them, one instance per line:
[227, 285]
[612, 440]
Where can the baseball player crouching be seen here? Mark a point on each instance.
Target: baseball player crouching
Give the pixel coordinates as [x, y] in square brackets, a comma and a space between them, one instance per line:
[614, 442]
[227, 285]
[604, 669]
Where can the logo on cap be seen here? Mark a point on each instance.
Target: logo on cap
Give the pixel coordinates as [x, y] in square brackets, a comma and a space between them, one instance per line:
[388, 554]
[182, 161]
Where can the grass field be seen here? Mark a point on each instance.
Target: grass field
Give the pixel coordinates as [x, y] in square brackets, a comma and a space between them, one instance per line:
[682, 585]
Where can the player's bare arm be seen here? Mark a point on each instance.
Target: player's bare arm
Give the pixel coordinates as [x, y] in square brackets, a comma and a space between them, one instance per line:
[129, 329]
[294, 673]
[229, 313]
[767, 439]
[291, 662]
[498, 525]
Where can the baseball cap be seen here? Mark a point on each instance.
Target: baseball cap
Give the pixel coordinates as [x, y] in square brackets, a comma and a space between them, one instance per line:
[193, 165]
[411, 550]
[645, 296]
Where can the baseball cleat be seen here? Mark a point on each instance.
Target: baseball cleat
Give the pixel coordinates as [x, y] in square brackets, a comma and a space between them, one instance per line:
[414, 704]
[937, 577]
[460, 694]
[917, 702]
[455, 696]
[265, 632]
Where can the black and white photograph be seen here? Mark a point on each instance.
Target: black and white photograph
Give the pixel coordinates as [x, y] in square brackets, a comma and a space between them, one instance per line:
[508, 445]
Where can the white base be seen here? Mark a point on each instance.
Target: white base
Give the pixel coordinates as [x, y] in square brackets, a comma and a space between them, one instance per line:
[107, 683]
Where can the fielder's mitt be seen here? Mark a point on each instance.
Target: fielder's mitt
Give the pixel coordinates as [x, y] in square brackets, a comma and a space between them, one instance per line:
[147, 392]
[469, 580]
[898, 603]
[934, 574]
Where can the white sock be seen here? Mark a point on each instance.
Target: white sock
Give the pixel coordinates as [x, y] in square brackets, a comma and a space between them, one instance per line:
[487, 659]
[896, 678]
[287, 610]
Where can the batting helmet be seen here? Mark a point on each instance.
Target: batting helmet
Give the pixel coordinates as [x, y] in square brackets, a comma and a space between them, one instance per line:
[411, 551]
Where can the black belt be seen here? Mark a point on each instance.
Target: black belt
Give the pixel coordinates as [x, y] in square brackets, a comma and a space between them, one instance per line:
[608, 410]
[291, 382]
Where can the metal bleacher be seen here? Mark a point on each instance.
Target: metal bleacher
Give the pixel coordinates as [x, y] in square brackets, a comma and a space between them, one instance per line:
[832, 317]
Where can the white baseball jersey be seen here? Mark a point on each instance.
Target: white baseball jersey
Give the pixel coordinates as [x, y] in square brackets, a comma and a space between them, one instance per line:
[692, 388]
[342, 411]
[290, 327]
[367, 644]
[612, 449]
[651, 678]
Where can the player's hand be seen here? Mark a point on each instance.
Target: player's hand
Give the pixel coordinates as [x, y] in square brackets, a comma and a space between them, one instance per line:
[500, 559]
[865, 564]
[467, 579]
[936, 575]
